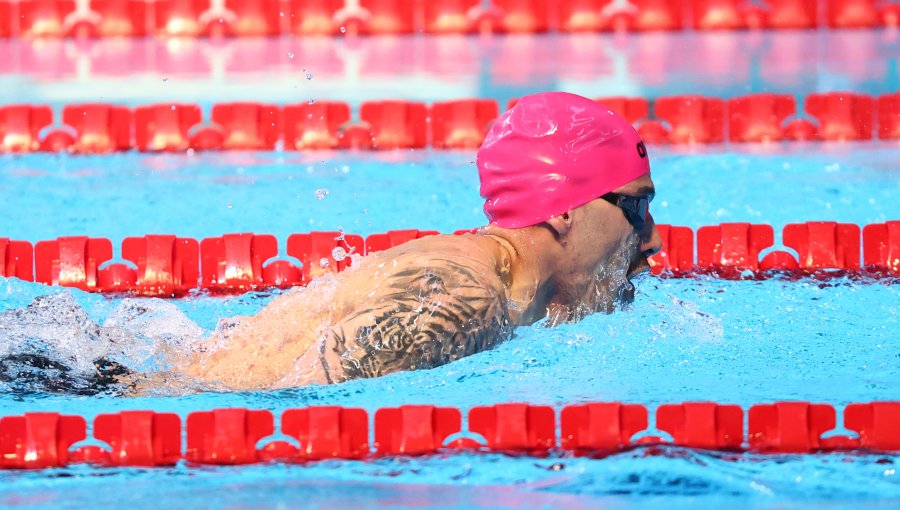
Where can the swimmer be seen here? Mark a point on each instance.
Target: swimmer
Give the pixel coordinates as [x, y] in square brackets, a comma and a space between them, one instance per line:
[567, 188]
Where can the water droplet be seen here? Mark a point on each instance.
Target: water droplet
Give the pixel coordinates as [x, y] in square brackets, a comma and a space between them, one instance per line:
[173, 107]
[321, 193]
[291, 55]
[323, 262]
[338, 254]
[309, 76]
[281, 13]
[343, 30]
[311, 101]
[190, 152]
[309, 116]
[229, 205]
[365, 211]
[165, 79]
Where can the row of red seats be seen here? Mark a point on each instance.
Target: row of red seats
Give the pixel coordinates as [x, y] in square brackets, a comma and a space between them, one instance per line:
[461, 124]
[166, 265]
[110, 18]
[231, 436]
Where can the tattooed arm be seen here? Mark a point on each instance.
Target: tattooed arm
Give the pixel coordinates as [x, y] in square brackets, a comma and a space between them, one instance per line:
[420, 317]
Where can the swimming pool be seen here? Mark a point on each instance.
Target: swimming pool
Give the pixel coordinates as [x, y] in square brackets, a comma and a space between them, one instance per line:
[739, 342]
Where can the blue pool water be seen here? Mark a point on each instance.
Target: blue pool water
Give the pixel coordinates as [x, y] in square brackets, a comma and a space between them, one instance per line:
[693, 339]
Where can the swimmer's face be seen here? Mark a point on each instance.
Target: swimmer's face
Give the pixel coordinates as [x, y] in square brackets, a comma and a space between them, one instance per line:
[603, 252]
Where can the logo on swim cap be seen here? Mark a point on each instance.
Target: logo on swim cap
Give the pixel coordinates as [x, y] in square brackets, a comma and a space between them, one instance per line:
[553, 152]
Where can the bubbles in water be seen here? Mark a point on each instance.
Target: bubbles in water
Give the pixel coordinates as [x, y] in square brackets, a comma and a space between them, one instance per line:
[321, 193]
[323, 262]
[343, 30]
[338, 254]
[291, 55]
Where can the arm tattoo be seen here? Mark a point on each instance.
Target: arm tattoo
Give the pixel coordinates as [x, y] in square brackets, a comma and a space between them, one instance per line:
[429, 317]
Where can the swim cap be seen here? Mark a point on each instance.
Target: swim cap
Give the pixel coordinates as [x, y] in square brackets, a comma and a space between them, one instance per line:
[553, 152]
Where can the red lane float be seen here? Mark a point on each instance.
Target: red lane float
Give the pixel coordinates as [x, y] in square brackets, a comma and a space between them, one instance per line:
[166, 266]
[165, 127]
[21, 125]
[677, 254]
[396, 124]
[414, 429]
[453, 17]
[226, 436]
[38, 440]
[703, 425]
[462, 124]
[601, 427]
[71, 261]
[91, 129]
[324, 252]
[136, 438]
[881, 248]
[889, 117]
[315, 126]
[691, 120]
[759, 117]
[789, 427]
[515, 427]
[16, 259]
[327, 432]
[381, 242]
[842, 116]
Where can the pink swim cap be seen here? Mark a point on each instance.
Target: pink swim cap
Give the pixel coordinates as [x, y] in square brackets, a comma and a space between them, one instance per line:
[553, 152]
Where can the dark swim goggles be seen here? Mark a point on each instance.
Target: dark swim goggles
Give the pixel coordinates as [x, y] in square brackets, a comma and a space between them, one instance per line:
[636, 209]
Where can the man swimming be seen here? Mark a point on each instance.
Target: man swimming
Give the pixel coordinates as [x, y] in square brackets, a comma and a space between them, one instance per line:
[567, 188]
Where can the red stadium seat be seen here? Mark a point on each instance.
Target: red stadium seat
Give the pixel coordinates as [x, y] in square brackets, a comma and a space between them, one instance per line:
[99, 128]
[515, 426]
[462, 124]
[824, 244]
[314, 17]
[881, 248]
[243, 18]
[718, 14]
[396, 124]
[38, 440]
[21, 125]
[693, 119]
[122, 18]
[248, 126]
[226, 436]
[657, 15]
[235, 263]
[677, 253]
[324, 252]
[889, 117]
[759, 117]
[730, 248]
[632, 109]
[789, 427]
[876, 423]
[451, 16]
[71, 261]
[328, 432]
[523, 16]
[791, 14]
[703, 425]
[852, 14]
[414, 429]
[381, 242]
[379, 17]
[165, 127]
[166, 266]
[601, 427]
[179, 18]
[314, 126]
[841, 115]
[140, 438]
[16, 259]
[44, 18]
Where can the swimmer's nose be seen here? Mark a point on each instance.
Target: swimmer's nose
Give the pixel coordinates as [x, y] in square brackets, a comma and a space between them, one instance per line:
[651, 241]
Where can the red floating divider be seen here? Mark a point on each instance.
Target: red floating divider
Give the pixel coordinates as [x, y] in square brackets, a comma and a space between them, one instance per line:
[876, 424]
[166, 266]
[601, 426]
[247, 126]
[889, 117]
[451, 16]
[165, 127]
[842, 116]
[881, 248]
[71, 261]
[396, 124]
[718, 14]
[414, 429]
[226, 436]
[99, 128]
[824, 244]
[462, 124]
[314, 126]
[581, 15]
[121, 18]
[243, 18]
[703, 425]
[853, 14]
[515, 426]
[234, 262]
[791, 14]
[16, 259]
[140, 438]
[313, 17]
[677, 254]
[179, 18]
[328, 432]
[789, 427]
[378, 17]
[693, 119]
[38, 440]
[44, 18]
[381, 242]
[21, 125]
[730, 248]
[657, 15]
[518, 16]
[759, 117]
[324, 252]
[632, 109]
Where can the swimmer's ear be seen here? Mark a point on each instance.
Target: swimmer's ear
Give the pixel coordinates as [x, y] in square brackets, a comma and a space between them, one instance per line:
[561, 224]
